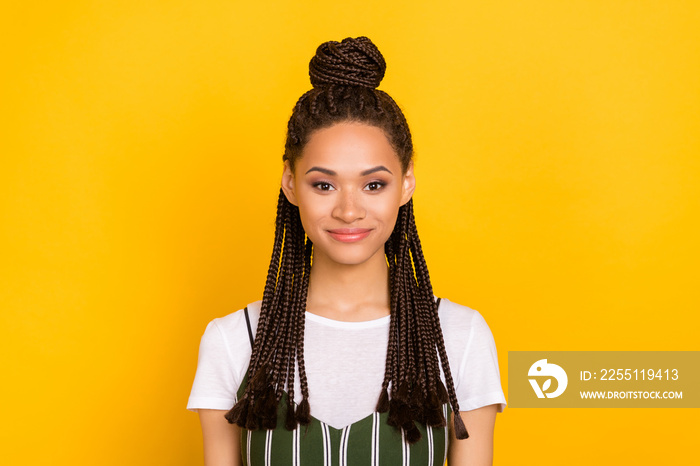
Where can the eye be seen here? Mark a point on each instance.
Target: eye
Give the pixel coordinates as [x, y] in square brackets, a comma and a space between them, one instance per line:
[375, 185]
[323, 186]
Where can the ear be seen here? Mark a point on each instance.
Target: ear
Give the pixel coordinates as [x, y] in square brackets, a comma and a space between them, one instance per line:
[288, 183]
[409, 184]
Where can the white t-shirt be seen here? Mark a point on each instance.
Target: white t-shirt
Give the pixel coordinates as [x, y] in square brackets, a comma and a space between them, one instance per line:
[345, 362]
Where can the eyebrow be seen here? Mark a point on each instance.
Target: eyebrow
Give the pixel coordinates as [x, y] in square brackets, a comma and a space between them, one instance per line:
[332, 173]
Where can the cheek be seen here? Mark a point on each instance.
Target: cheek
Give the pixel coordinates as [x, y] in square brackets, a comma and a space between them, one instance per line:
[312, 214]
[390, 219]
[384, 212]
[387, 211]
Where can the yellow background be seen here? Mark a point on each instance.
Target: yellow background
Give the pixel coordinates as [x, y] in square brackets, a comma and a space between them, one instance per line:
[557, 156]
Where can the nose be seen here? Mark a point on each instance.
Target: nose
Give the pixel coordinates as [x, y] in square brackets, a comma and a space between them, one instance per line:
[348, 208]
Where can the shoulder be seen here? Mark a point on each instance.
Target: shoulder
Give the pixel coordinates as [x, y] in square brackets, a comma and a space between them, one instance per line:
[457, 319]
[227, 336]
[224, 354]
[472, 356]
[464, 329]
[235, 322]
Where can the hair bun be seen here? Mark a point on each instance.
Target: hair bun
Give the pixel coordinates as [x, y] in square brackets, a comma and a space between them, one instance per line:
[352, 62]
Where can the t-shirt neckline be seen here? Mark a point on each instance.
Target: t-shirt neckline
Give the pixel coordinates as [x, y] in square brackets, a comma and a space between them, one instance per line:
[349, 325]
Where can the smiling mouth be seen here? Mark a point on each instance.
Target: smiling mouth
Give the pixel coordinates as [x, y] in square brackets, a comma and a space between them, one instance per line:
[349, 235]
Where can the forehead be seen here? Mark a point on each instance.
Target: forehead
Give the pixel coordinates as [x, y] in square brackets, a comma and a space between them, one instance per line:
[349, 148]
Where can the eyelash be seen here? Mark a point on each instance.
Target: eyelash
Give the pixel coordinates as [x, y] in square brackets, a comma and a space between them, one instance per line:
[319, 183]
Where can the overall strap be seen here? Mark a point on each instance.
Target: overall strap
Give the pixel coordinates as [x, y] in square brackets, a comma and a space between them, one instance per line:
[247, 321]
[438, 302]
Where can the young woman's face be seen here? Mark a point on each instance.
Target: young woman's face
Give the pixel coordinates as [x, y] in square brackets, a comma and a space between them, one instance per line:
[348, 186]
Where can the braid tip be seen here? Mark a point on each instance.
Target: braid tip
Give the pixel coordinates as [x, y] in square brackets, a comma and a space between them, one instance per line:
[252, 421]
[238, 413]
[432, 411]
[290, 421]
[399, 413]
[266, 406]
[269, 423]
[417, 405]
[303, 413]
[412, 433]
[434, 417]
[460, 430]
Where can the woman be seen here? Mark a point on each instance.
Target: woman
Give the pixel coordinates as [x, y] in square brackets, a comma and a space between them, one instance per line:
[348, 358]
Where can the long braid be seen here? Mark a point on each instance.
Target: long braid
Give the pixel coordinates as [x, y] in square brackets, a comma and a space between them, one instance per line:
[391, 354]
[303, 413]
[430, 379]
[276, 343]
[297, 331]
[289, 318]
[274, 268]
[422, 273]
[270, 308]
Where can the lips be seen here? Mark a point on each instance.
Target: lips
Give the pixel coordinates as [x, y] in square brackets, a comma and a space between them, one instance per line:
[349, 235]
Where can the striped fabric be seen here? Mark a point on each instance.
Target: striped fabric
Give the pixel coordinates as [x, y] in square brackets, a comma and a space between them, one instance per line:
[367, 442]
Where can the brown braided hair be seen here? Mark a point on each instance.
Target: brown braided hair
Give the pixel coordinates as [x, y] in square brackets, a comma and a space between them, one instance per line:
[344, 76]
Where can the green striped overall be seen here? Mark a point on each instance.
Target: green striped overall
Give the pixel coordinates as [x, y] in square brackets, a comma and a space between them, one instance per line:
[369, 441]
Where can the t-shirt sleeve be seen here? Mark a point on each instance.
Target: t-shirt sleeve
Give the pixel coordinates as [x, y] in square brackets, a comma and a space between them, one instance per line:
[214, 384]
[479, 381]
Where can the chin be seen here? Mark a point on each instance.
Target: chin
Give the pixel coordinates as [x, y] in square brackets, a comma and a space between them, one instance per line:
[350, 255]
[349, 259]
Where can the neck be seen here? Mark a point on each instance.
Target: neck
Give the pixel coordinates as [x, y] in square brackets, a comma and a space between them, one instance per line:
[349, 292]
